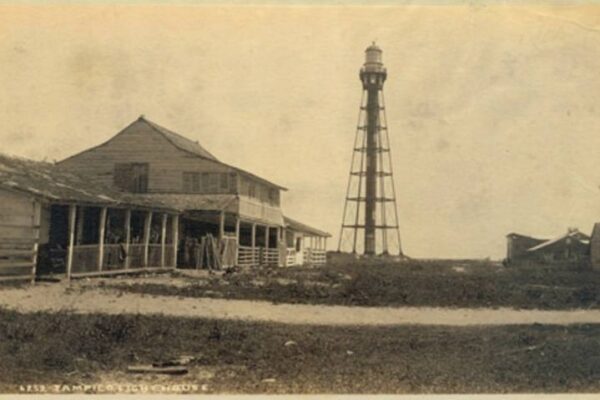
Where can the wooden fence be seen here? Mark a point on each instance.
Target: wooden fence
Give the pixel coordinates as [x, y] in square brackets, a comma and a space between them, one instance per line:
[315, 256]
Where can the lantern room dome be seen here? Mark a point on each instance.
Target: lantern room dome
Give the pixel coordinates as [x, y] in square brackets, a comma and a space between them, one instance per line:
[373, 58]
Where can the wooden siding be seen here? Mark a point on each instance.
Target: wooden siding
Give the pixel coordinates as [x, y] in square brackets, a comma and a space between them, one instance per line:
[139, 143]
[254, 210]
[517, 246]
[257, 190]
[19, 234]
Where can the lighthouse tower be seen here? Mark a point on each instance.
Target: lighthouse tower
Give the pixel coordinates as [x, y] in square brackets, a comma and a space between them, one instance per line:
[370, 211]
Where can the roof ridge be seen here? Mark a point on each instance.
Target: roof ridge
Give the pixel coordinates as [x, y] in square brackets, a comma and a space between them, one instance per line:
[161, 130]
[165, 132]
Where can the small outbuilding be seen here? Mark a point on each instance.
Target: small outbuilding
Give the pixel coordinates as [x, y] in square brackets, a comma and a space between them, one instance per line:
[571, 247]
[595, 246]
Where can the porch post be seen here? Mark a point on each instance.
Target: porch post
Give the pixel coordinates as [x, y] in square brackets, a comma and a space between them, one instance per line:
[127, 228]
[72, 215]
[221, 225]
[79, 230]
[253, 244]
[175, 236]
[278, 247]
[163, 240]
[101, 233]
[147, 224]
[266, 236]
[266, 250]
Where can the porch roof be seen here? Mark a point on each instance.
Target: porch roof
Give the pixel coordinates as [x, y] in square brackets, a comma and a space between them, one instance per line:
[208, 202]
[41, 179]
[300, 227]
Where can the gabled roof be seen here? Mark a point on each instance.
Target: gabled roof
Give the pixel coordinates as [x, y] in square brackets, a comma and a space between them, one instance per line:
[179, 141]
[184, 144]
[575, 234]
[513, 234]
[44, 180]
[300, 227]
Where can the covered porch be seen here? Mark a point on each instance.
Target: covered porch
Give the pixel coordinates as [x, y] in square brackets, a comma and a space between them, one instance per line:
[58, 224]
[86, 240]
[304, 245]
[246, 233]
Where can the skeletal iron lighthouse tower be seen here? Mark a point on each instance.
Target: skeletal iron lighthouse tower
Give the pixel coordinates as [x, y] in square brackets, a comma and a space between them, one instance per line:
[370, 206]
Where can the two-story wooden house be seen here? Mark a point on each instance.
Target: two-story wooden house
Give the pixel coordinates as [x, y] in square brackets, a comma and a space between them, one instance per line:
[239, 209]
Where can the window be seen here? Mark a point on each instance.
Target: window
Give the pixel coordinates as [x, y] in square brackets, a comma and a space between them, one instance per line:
[251, 189]
[131, 177]
[273, 196]
[233, 183]
[224, 182]
[205, 180]
[299, 244]
[191, 182]
[213, 183]
[209, 182]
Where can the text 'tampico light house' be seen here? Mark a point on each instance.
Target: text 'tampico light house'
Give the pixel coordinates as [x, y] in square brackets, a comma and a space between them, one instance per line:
[370, 207]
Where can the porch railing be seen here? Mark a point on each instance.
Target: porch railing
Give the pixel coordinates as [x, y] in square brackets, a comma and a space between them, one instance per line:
[85, 258]
[262, 256]
[245, 256]
[290, 257]
[270, 257]
[136, 255]
[154, 255]
[116, 259]
[315, 256]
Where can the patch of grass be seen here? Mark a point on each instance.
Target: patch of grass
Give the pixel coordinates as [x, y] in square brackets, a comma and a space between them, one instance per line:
[413, 283]
[62, 348]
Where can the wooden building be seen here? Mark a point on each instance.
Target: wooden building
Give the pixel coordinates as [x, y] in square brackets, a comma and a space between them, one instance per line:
[573, 246]
[595, 246]
[241, 210]
[58, 223]
[517, 246]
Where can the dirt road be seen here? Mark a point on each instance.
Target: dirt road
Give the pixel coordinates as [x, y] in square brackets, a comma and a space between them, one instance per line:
[57, 297]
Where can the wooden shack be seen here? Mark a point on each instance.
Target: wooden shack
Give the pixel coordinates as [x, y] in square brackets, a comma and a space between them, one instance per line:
[572, 246]
[238, 208]
[595, 246]
[59, 223]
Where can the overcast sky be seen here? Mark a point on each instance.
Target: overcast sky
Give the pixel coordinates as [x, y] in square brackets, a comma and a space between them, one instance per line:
[493, 111]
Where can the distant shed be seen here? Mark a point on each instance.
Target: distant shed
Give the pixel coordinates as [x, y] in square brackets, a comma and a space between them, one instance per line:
[572, 246]
[517, 245]
[595, 246]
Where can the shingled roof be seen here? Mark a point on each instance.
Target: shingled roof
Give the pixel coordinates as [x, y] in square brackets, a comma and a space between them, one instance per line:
[300, 227]
[185, 144]
[181, 142]
[44, 180]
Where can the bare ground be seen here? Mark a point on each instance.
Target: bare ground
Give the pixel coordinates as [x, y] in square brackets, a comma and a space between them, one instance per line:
[92, 297]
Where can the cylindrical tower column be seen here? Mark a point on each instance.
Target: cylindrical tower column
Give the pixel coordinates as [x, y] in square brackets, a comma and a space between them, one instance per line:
[373, 76]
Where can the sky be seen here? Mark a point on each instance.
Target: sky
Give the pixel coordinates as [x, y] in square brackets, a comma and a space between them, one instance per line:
[492, 110]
